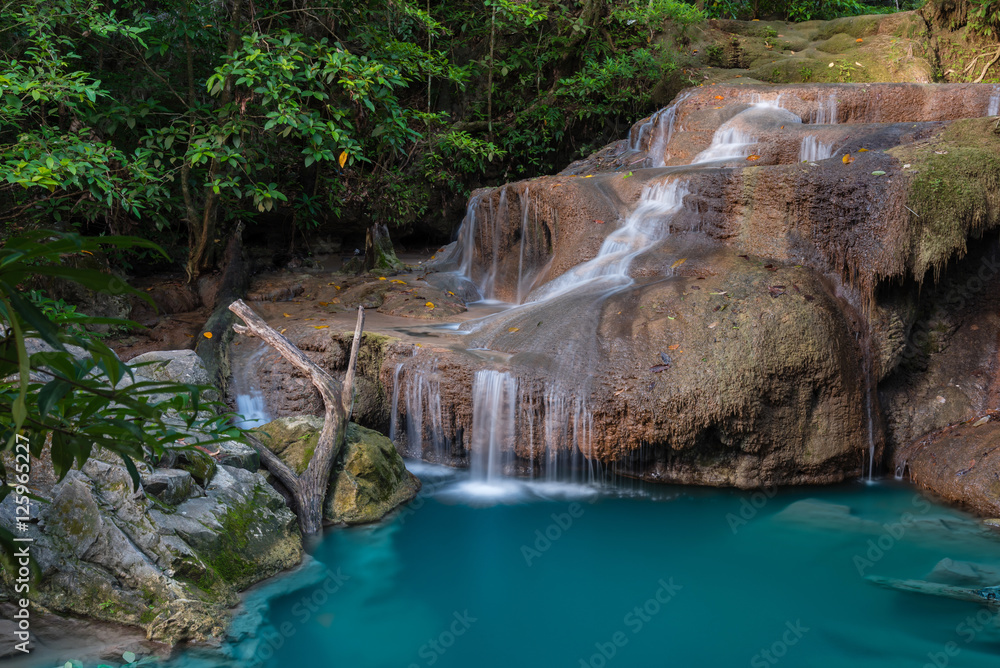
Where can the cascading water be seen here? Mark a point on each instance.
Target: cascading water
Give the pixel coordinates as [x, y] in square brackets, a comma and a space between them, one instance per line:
[993, 109]
[813, 150]
[494, 406]
[424, 416]
[662, 127]
[249, 398]
[647, 224]
[826, 111]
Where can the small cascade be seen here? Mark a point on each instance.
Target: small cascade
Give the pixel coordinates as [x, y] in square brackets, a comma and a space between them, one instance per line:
[424, 418]
[646, 225]
[249, 398]
[728, 142]
[494, 407]
[662, 127]
[568, 431]
[394, 415]
[769, 100]
[826, 111]
[813, 150]
[993, 108]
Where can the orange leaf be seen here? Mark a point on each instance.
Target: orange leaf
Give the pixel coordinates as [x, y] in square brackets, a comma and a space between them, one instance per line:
[599, 222]
[847, 159]
[674, 347]
[429, 304]
[751, 158]
[286, 315]
[862, 150]
[324, 303]
[343, 159]
[719, 97]
[207, 335]
[513, 329]
[859, 40]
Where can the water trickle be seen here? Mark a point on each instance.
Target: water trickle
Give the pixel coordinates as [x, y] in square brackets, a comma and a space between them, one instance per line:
[826, 111]
[813, 150]
[394, 415]
[250, 403]
[993, 109]
[494, 405]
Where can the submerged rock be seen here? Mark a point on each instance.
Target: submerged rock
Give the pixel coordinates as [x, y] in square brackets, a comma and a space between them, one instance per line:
[368, 480]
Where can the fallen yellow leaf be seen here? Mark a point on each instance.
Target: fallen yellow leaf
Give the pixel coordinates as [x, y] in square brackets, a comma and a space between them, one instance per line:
[751, 158]
[283, 330]
[678, 263]
[286, 315]
[207, 335]
[429, 304]
[588, 176]
[513, 329]
[381, 278]
[862, 150]
[847, 159]
[674, 347]
[343, 159]
[320, 326]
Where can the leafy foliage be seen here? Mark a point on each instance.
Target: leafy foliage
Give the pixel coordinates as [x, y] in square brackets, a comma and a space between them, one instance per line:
[67, 390]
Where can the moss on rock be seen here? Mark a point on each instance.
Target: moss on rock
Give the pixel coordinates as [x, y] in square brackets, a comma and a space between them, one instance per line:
[369, 478]
[954, 190]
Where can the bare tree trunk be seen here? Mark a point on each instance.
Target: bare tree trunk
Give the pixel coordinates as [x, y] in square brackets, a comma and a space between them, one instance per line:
[309, 489]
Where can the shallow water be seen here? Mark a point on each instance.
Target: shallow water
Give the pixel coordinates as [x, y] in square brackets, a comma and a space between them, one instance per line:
[516, 574]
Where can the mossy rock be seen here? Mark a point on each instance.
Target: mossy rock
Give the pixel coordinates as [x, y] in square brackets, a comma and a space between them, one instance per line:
[369, 478]
[954, 190]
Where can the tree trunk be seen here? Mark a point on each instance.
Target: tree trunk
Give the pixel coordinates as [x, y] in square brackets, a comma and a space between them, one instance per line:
[380, 256]
[309, 489]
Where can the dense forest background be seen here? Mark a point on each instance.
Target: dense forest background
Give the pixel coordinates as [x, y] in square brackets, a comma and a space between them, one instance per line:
[172, 120]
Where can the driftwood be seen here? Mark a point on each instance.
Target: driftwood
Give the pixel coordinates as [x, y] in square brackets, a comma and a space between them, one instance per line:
[309, 489]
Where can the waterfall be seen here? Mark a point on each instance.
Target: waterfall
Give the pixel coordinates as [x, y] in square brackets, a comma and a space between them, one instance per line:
[646, 225]
[250, 403]
[813, 150]
[826, 111]
[662, 126]
[993, 109]
[394, 415]
[424, 417]
[494, 406]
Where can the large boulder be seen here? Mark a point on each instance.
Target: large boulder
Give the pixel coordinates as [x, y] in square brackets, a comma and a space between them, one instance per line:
[369, 478]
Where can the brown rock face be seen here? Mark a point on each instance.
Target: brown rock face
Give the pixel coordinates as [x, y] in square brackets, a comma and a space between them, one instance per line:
[735, 297]
[960, 464]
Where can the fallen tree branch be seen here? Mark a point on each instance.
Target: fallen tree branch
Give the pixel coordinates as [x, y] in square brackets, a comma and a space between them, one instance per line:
[982, 75]
[308, 489]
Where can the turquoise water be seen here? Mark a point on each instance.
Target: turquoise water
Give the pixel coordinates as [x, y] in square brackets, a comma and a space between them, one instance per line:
[644, 576]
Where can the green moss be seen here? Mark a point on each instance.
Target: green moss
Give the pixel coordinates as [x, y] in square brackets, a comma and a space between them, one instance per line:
[229, 560]
[954, 192]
